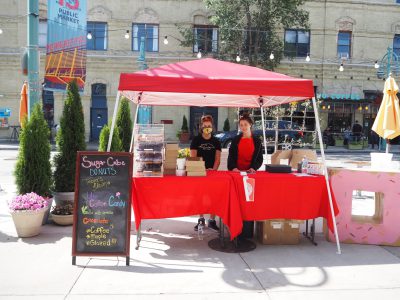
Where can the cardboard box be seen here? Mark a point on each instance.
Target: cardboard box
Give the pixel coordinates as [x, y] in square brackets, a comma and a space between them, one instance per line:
[278, 232]
[190, 163]
[298, 154]
[280, 154]
[196, 173]
[171, 154]
[169, 171]
[194, 159]
[172, 147]
[168, 165]
[195, 169]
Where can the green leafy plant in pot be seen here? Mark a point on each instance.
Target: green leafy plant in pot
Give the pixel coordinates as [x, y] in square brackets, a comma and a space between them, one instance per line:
[183, 134]
[33, 169]
[70, 139]
[63, 215]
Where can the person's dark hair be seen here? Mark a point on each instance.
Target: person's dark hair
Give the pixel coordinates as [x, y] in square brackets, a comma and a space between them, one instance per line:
[206, 118]
[246, 117]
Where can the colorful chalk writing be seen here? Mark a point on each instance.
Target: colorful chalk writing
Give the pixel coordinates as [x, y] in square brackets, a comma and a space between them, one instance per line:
[102, 222]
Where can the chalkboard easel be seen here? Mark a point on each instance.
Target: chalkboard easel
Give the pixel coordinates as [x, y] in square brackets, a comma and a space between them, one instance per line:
[102, 207]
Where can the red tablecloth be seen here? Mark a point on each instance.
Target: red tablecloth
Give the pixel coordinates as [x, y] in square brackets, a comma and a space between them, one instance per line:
[286, 196]
[171, 196]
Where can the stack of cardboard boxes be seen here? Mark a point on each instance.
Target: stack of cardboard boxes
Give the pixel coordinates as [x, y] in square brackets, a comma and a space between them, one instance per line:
[171, 153]
[279, 232]
[195, 167]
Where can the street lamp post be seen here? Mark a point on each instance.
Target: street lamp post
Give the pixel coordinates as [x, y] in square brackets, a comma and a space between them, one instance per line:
[33, 54]
[145, 111]
[390, 64]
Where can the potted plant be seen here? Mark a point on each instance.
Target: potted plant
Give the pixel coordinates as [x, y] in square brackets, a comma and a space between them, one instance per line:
[63, 214]
[227, 126]
[183, 134]
[116, 143]
[124, 124]
[181, 160]
[27, 212]
[70, 139]
[339, 140]
[33, 170]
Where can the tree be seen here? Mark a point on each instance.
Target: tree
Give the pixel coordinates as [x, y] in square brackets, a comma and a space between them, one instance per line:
[252, 28]
[70, 139]
[227, 126]
[124, 124]
[116, 144]
[184, 127]
[33, 169]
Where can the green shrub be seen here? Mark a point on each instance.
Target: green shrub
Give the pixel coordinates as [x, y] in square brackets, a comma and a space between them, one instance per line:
[116, 144]
[33, 169]
[124, 124]
[227, 126]
[70, 139]
[184, 127]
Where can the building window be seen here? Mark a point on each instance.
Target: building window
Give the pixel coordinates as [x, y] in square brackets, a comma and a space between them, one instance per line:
[344, 44]
[297, 43]
[98, 32]
[42, 33]
[205, 39]
[396, 43]
[149, 32]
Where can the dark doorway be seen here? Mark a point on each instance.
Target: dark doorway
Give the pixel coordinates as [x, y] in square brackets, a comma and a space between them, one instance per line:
[195, 115]
[339, 122]
[48, 107]
[98, 110]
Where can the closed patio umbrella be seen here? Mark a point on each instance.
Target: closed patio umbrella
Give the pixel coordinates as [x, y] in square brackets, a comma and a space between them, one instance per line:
[23, 104]
[387, 121]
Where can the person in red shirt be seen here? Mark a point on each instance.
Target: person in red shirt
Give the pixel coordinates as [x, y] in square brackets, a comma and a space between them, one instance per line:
[245, 152]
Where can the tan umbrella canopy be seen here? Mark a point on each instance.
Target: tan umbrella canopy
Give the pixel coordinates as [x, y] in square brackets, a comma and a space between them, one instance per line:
[387, 121]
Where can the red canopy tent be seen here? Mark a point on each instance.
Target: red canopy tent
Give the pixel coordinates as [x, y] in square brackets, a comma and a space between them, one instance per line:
[210, 82]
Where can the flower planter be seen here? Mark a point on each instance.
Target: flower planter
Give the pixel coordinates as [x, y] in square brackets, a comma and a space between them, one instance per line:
[180, 163]
[47, 211]
[63, 220]
[28, 222]
[355, 146]
[64, 198]
[339, 143]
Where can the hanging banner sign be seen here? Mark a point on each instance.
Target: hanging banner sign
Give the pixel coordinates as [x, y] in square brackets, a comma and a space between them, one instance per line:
[66, 44]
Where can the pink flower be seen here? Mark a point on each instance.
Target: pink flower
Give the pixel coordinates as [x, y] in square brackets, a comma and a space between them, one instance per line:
[29, 201]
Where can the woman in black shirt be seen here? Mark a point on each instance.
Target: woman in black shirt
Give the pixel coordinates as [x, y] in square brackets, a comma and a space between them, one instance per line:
[205, 145]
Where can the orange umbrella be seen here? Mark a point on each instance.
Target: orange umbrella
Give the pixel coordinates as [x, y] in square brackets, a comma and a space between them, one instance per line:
[23, 104]
[387, 121]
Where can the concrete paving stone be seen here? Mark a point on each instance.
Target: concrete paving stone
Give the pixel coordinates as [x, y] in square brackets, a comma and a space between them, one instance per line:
[176, 263]
[28, 297]
[191, 296]
[364, 294]
[306, 267]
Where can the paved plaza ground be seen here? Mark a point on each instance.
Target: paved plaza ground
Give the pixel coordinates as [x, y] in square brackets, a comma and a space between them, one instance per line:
[173, 263]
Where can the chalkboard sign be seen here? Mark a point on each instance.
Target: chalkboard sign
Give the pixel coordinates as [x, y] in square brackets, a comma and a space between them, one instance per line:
[102, 208]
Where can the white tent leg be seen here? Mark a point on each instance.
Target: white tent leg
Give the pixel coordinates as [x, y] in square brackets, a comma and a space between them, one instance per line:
[263, 126]
[339, 251]
[113, 122]
[134, 126]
